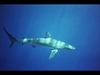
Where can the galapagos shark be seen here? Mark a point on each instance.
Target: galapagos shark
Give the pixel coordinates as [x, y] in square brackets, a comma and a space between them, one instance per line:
[47, 41]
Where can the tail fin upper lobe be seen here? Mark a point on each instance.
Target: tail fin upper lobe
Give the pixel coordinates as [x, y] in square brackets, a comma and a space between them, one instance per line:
[11, 38]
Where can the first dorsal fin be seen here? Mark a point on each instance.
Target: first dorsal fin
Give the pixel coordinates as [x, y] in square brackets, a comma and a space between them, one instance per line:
[47, 34]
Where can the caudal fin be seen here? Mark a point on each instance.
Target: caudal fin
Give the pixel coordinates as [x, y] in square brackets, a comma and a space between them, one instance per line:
[13, 40]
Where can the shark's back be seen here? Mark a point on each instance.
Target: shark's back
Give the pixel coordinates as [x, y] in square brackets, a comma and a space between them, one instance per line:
[50, 42]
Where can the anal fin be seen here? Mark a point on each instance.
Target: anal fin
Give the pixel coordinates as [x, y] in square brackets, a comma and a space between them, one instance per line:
[33, 46]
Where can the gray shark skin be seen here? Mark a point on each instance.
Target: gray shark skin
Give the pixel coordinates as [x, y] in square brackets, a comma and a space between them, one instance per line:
[47, 41]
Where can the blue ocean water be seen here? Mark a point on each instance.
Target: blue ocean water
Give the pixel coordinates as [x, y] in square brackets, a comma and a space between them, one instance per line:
[76, 24]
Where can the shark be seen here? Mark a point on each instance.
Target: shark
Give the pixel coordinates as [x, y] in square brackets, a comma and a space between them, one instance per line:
[48, 41]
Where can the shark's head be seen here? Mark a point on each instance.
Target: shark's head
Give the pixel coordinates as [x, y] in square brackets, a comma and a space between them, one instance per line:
[70, 47]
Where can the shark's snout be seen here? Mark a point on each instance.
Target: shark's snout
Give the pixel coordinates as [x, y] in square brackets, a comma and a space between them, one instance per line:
[70, 47]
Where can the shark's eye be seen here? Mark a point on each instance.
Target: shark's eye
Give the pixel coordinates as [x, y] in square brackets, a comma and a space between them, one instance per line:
[70, 46]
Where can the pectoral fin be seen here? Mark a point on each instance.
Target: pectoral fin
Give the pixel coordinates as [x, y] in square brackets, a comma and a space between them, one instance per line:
[53, 52]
